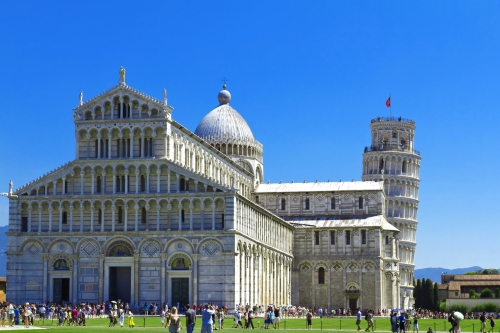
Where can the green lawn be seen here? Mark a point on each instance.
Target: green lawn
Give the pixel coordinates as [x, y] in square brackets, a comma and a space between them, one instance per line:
[152, 324]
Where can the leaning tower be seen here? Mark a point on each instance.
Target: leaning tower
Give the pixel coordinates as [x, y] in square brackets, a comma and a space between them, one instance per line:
[392, 158]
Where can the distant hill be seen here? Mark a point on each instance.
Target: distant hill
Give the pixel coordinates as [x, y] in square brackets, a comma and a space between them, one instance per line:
[3, 248]
[435, 273]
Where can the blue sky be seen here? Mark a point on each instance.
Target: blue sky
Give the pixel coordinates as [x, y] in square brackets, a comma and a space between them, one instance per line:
[307, 76]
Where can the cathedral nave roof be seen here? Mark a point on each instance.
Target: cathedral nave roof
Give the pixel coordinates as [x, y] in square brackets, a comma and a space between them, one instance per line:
[378, 221]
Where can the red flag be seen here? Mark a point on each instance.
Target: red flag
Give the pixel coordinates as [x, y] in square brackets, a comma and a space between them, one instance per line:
[388, 102]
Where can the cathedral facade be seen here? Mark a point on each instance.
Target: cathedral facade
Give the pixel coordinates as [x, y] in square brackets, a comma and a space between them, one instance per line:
[149, 211]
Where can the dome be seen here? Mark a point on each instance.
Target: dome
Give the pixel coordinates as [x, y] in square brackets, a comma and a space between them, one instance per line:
[223, 124]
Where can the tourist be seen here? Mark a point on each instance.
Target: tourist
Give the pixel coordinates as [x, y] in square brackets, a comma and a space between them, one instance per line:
[430, 330]
[402, 328]
[358, 319]
[394, 322]
[482, 318]
[309, 319]
[130, 319]
[451, 320]
[250, 319]
[369, 319]
[277, 318]
[162, 317]
[174, 322]
[492, 323]
[121, 316]
[190, 318]
[206, 319]
[415, 322]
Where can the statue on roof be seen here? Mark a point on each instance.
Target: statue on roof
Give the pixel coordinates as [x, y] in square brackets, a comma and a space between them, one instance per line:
[11, 185]
[122, 75]
[164, 96]
[80, 101]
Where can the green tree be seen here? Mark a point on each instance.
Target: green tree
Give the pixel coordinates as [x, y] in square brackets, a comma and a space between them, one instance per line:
[417, 294]
[429, 294]
[486, 293]
[436, 297]
[490, 271]
[472, 294]
[497, 292]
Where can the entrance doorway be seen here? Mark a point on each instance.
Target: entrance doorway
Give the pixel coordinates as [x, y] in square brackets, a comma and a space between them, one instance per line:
[353, 303]
[119, 283]
[180, 291]
[61, 290]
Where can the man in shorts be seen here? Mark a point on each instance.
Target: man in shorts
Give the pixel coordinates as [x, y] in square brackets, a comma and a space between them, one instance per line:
[482, 318]
[358, 320]
[415, 322]
[277, 317]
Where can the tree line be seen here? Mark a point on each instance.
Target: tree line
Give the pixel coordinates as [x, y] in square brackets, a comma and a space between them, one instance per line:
[426, 295]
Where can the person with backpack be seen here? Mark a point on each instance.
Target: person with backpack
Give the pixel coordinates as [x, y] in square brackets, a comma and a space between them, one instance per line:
[482, 318]
[369, 319]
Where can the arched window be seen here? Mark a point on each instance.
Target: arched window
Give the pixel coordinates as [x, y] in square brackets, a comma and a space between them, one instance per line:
[332, 203]
[386, 240]
[360, 203]
[283, 204]
[321, 275]
[100, 216]
[316, 238]
[144, 215]
[182, 216]
[307, 204]
[348, 237]
[394, 134]
[182, 184]
[65, 218]
[403, 167]
[120, 214]
[381, 164]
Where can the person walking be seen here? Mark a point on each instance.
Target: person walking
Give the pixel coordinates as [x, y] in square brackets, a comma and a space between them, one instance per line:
[190, 319]
[358, 319]
[174, 322]
[482, 318]
[492, 323]
[369, 319]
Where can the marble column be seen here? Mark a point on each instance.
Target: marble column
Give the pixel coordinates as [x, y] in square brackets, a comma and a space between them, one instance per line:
[136, 278]
[75, 278]
[45, 285]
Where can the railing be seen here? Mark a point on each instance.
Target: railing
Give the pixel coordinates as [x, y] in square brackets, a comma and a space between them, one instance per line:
[392, 148]
[398, 119]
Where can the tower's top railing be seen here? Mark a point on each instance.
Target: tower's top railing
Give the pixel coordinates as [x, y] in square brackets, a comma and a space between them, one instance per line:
[393, 119]
[403, 149]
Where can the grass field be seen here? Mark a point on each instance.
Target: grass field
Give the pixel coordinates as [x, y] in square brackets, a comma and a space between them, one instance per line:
[152, 324]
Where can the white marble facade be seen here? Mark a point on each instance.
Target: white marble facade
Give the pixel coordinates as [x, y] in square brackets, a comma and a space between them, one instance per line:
[151, 212]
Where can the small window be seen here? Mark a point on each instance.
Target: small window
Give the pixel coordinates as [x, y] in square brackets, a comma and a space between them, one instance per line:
[222, 221]
[283, 204]
[316, 237]
[363, 236]
[24, 224]
[183, 219]
[99, 184]
[182, 184]
[348, 237]
[65, 218]
[257, 199]
[332, 203]
[143, 183]
[120, 214]
[100, 216]
[456, 293]
[386, 240]
[307, 204]
[394, 135]
[144, 215]
[360, 203]
[321, 275]
[65, 187]
[403, 167]
[332, 237]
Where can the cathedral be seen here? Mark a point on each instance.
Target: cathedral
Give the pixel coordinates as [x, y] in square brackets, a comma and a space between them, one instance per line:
[149, 211]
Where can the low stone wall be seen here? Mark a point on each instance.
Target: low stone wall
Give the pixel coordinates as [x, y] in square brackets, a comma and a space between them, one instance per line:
[470, 302]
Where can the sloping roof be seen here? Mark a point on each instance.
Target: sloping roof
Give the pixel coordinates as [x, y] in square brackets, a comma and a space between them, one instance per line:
[476, 277]
[325, 222]
[319, 187]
